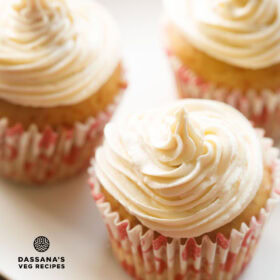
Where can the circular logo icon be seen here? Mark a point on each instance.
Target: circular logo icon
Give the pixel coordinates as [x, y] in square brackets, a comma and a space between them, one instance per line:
[41, 244]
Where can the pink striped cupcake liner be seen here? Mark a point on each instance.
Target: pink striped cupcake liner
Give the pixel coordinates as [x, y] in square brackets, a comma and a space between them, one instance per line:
[261, 107]
[150, 256]
[35, 157]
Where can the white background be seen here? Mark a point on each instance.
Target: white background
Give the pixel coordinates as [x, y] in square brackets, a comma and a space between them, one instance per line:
[66, 213]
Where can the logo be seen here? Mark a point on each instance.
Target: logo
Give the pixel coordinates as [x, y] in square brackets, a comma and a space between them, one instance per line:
[41, 244]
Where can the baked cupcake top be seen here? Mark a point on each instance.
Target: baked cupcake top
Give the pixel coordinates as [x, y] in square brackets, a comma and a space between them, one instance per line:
[182, 170]
[244, 33]
[55, 52]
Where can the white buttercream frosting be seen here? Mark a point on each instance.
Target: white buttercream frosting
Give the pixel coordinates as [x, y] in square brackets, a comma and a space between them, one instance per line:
[55, 52]
[243, 33]
[182, 170]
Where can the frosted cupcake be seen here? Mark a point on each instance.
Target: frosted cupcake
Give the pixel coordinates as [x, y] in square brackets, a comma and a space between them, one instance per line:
[228, 51]
[185, 190]
[60, 78]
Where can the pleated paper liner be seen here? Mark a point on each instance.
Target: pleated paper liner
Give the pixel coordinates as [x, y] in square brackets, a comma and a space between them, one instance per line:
[261, 107]
[150, 256]
[34, 157]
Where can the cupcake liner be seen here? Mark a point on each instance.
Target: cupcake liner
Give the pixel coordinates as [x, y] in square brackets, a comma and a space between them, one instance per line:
[260, 106]
[149, 255]
[35, 157]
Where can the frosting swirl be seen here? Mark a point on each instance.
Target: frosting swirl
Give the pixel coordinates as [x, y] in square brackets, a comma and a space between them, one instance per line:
[243, 33]
[55, 52]
[183, 170]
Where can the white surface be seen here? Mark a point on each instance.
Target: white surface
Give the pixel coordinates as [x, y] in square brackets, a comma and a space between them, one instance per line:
[66, 214]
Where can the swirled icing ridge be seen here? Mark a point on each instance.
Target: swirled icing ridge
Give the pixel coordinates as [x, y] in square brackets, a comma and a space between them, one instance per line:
[183, 170]
[244, 33]
[55, 52]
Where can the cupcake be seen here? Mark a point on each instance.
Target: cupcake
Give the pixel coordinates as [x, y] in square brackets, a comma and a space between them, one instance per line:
[60, 79]
[185, 190]
[228, 51]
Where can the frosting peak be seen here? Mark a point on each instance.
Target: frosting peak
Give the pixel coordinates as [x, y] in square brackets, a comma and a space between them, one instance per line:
[183, 170]
[55, 52]
[40, 7]
[171, 140]
[35, 24]
[243, 33]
